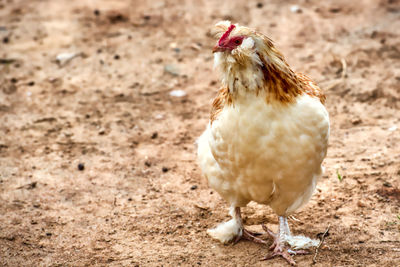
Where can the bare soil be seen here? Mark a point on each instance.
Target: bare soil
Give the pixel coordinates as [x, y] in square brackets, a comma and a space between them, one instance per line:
[138, 198]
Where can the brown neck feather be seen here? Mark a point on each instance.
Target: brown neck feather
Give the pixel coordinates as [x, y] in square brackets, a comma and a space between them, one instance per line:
[281, 84]
[223, 98]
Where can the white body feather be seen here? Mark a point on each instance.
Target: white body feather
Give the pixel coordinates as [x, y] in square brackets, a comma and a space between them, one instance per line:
[227, 231]
[270, 153]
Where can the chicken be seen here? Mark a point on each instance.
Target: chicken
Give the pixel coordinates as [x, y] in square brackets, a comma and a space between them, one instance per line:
[266, 138]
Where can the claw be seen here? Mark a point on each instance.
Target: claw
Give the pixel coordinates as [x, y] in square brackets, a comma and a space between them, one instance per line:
[279, 248]
[272, 235]
[251, 236]
[284, 254]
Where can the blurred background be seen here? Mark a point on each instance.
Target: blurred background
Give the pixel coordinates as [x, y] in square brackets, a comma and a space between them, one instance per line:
[101, 103]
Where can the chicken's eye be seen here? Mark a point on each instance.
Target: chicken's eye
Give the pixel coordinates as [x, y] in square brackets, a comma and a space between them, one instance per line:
[238, 41]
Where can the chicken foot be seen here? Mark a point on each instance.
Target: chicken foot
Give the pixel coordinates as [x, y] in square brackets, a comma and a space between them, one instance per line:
[245, 234]
[279, 246]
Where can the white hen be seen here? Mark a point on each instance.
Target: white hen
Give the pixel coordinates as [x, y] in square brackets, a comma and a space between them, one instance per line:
[267, 136]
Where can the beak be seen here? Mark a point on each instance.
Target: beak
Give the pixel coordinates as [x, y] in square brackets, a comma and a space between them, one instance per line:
[218, 48]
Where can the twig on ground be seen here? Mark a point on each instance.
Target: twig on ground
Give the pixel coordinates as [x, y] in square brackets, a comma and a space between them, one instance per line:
[294, 218]
[7, 60]
[333, 83]
[344, 68]
[320, 244]
[201, 208]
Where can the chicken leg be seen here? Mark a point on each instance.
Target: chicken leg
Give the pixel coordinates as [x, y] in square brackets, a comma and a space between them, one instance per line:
[284, 244]
[233, 230]
[246, 234]
[280, 246]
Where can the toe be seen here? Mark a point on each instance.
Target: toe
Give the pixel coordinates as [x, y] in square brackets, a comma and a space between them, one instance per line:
[288, 258]
[283, 254]
[250, 236]
[269, 232]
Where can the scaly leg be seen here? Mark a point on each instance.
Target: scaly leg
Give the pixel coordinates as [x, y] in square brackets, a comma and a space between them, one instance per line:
[245, 234]
[279, 246]
[233, 230]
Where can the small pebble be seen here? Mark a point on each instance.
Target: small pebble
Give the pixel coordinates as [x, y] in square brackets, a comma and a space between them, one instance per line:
[177, 93]
[32, 83]
[10, 238]
[387, 184]
[154, 135]
[63, 58]
[165, 169]
[361, 204]
[147, 163]
[32, 185]
[196, 47]
[260, 5]
[356, 121]
[130, 199]
[96, 12]
[49, 234]
[335, 9]
[81, 166]
[213, 82]
[295, 9]
[116, 57]
[172, 69]
[6, 40]
[194, 187]
[14, 80]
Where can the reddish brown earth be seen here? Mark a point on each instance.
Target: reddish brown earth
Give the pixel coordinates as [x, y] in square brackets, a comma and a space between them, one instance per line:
[140, 199]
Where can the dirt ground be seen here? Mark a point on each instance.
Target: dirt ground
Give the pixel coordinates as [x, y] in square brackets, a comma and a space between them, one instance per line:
[139, 198]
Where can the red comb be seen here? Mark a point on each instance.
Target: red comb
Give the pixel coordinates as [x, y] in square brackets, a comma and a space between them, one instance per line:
[226, 34]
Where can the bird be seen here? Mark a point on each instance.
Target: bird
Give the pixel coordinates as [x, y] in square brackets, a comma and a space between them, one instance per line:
[266, 138]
